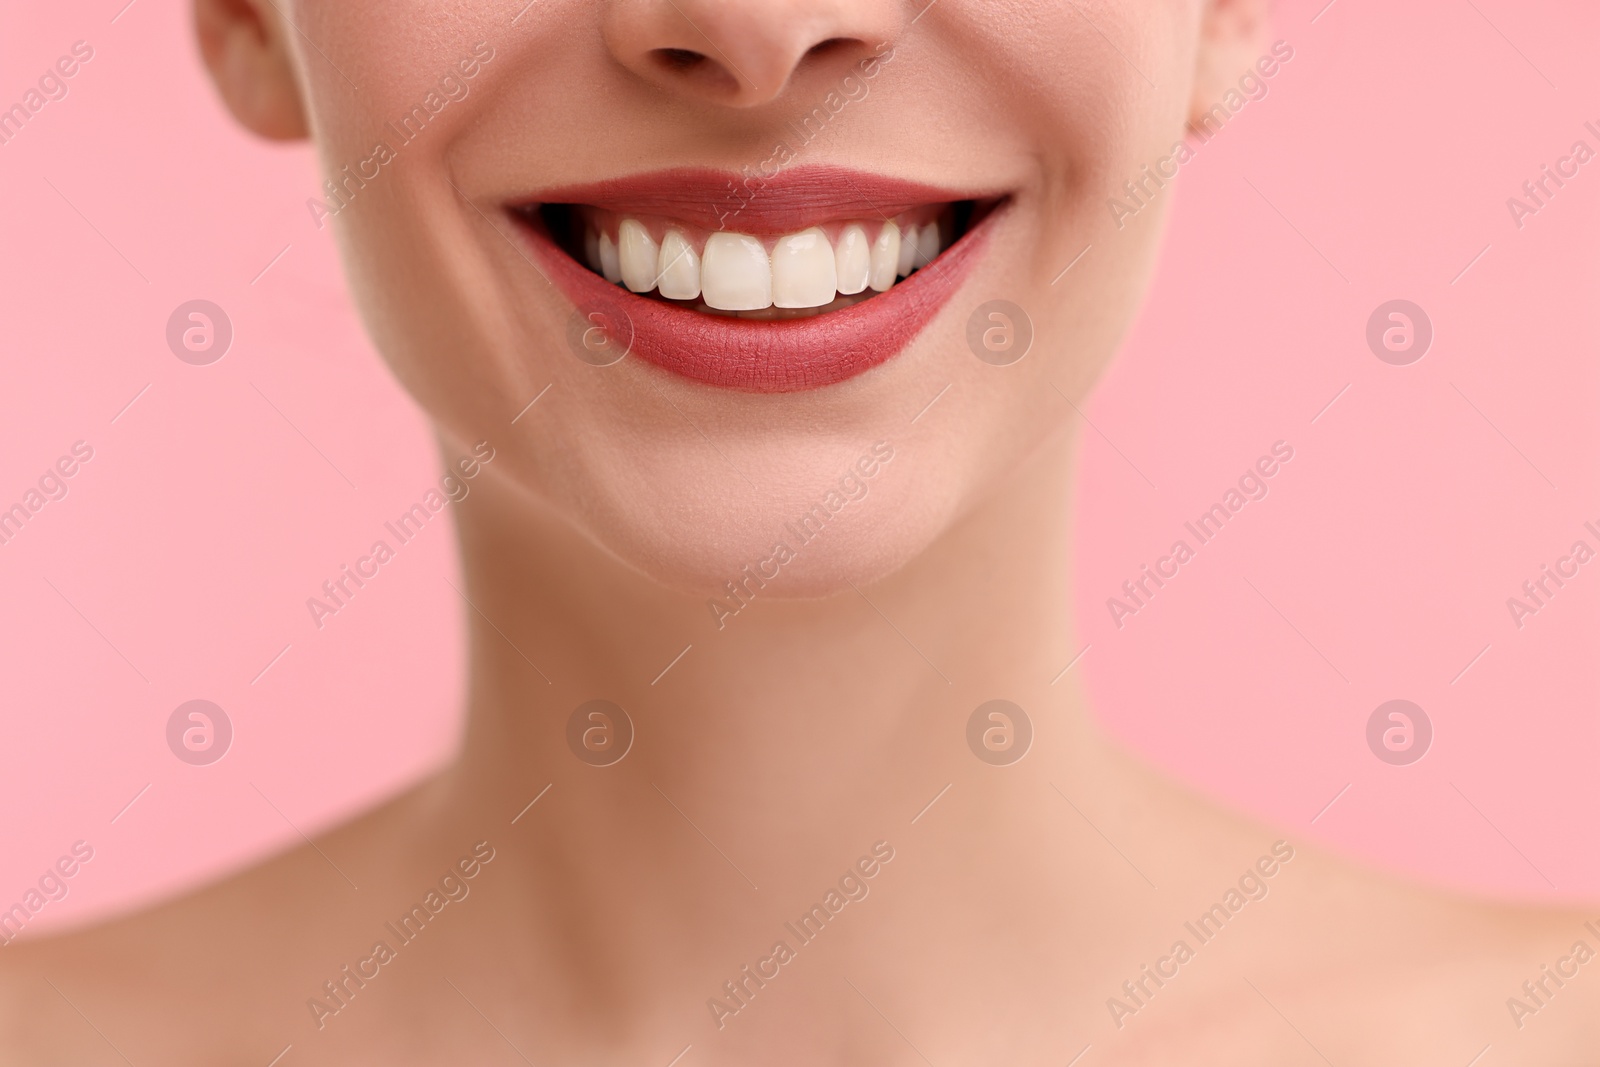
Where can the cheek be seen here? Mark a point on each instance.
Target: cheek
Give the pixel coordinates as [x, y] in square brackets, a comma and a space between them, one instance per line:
[1093, 116]
[690, 484]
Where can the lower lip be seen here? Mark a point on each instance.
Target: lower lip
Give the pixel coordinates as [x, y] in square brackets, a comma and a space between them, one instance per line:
[782, 356]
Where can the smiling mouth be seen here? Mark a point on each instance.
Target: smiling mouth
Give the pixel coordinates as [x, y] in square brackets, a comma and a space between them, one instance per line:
[822, 268]
[814, 276]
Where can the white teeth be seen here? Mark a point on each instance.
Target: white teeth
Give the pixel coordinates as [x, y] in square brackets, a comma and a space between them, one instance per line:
[637, 251]
[678, 268]
[885, 258]
[908, 253]
[803, 274]
[927, 245]
[851, 260]
[735, 274]
[610, 265]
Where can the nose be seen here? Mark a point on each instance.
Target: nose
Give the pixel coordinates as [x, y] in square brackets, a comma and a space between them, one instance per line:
[743, 53]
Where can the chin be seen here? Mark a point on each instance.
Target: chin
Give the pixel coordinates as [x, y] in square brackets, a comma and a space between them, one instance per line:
[800, 518]
[791, 378]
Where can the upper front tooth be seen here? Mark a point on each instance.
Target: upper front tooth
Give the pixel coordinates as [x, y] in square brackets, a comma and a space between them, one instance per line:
[851, 260]
[908, 252]
[678, 268]
[885, 258]
[735, 274]
[610, 265]
[803, 272]
[637, 251]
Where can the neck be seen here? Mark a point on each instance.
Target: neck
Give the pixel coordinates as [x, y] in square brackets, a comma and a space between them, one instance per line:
[776, 750]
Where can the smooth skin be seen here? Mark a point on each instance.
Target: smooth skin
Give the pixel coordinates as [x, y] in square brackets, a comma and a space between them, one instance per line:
[785, 744]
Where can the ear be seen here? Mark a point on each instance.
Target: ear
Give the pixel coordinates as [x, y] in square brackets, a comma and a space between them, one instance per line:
[1233, 33]
[245, 47]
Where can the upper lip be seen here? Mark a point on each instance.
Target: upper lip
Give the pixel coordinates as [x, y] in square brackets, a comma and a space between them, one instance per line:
[756, 356]
[790, 200]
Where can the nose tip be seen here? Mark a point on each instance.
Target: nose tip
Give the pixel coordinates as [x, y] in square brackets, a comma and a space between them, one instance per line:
[743, 53]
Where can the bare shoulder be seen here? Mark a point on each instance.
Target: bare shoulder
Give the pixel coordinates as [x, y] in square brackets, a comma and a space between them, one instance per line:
[1378, 965]
[202, 976]
[84, 997]
[1293, 942]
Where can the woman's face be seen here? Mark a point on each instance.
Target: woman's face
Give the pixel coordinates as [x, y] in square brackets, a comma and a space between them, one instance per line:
[1004, 128]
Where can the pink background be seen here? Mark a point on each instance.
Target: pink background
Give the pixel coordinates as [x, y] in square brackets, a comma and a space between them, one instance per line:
[178, 565]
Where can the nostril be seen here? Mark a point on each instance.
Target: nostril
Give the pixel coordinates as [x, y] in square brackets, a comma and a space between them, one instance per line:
[822, 48]
[678, 59]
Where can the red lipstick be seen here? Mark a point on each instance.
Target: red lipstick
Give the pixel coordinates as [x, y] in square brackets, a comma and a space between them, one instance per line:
[759, 355]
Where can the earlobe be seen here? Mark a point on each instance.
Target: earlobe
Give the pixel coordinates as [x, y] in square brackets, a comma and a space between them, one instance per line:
[245, 48]
[1232, 34]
